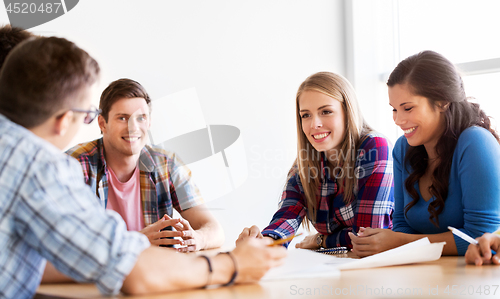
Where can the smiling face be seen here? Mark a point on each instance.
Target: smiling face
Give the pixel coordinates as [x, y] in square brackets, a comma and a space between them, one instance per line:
[421, 122]
[323, 120]
[125, 133]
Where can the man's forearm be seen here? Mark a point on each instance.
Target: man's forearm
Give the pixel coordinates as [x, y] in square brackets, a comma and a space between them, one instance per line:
[153, 272]
[212, 235]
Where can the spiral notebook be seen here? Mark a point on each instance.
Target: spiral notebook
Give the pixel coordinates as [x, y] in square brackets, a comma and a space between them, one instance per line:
[335, 250]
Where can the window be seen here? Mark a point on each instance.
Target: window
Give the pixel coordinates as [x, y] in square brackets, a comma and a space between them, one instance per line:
[384, 32]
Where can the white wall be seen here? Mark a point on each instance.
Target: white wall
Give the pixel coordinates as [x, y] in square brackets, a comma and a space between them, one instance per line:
[371, 55]
[246, 60]
[381, 33]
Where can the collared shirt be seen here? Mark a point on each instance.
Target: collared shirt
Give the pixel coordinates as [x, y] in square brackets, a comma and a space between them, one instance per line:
[372, 205]
[48, 213]
[165, 181]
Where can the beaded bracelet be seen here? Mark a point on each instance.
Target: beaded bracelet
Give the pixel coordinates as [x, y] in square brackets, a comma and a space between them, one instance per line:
[210, 270]
[235, 273]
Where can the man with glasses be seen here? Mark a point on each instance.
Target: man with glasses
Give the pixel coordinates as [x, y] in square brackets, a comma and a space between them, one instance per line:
[48, 213]
[90, 114]
[140, 182]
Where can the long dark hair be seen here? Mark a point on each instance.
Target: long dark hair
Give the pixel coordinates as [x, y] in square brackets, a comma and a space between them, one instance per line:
[434, 77]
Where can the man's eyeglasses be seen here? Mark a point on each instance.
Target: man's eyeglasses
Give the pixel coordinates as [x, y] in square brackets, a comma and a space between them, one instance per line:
[91, 114]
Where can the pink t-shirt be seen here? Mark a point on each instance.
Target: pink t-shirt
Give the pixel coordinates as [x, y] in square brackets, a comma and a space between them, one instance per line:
[125, 199]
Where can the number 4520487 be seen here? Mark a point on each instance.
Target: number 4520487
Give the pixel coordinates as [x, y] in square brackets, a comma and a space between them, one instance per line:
[31, 8]
[470, 290]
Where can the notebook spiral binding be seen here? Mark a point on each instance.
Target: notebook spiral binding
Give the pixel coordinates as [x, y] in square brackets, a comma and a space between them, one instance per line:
[335, 250]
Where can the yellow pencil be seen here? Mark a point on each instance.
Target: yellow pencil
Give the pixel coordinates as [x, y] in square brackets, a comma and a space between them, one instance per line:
[281, 241]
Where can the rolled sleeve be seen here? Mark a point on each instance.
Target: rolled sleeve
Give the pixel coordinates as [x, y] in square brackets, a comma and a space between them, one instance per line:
[185, 194]
[58, 216]
[287, 219]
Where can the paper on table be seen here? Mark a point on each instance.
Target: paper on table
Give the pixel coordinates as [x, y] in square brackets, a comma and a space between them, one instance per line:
[415, 252]
[302, 263]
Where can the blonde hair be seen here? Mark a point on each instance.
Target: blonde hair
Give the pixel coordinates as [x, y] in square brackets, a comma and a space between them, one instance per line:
[308, 161]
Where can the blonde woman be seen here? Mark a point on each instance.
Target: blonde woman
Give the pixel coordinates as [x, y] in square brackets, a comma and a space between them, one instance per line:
[342, 177]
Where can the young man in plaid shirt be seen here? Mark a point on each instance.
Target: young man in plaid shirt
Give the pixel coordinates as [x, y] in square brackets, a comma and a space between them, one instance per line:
[140, 182]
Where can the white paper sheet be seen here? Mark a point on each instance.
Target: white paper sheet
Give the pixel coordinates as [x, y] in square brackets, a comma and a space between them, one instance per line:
[303, 263]
[415, 252]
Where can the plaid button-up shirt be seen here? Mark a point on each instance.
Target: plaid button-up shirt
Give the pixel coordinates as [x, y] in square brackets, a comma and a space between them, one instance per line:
[372, 206]
[165, 181]
[48, 213]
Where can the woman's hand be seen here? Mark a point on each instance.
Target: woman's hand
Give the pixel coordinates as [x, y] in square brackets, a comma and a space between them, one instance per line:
[374, 240]
[309, 242]
[249, 232]
[481, 254]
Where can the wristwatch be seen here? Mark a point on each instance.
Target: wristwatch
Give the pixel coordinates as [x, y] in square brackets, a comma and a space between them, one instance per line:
[319, 240]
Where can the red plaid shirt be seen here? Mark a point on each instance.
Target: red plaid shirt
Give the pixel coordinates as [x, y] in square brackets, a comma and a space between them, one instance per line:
[165, 182]
[372, 206]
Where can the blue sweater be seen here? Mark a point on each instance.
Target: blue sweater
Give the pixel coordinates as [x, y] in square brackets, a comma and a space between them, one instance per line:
[473, 202]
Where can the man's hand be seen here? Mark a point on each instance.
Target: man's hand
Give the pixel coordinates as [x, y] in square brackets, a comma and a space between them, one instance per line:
[200, 227]
[157, 237]
[254, 258]
[481, 254]
[249, 232]
[158, 271]
[191, 239]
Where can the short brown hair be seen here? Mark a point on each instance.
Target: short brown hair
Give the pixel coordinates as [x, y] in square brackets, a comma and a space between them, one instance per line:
[119, 89]
[9, 38]
[41, 77]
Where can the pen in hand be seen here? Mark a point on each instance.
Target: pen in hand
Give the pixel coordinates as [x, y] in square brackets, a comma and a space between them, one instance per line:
[465, 237]
[281, 241]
